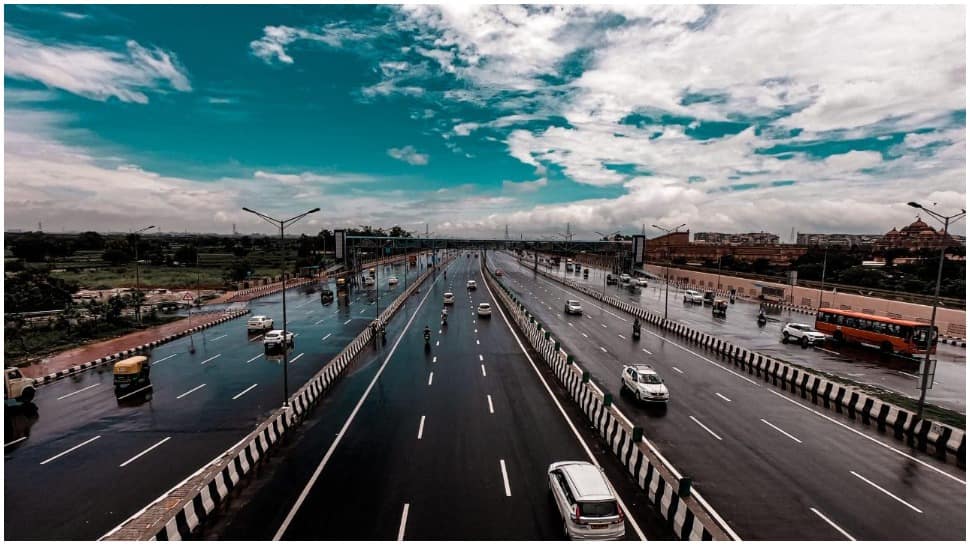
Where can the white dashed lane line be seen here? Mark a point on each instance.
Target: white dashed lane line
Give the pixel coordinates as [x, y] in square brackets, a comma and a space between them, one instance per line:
[156, 362]
[144, 452]
[491, 408]
[219, 337]
[254, 358]
[72, 449]
[210, 359]
[718, 394]
[888, 493]
[190, 391]
[348, 321]
[779, 430]
[242, 393]
[430, 378]
[65, 396]
[505, 478]
[832, 524]
[483, 370]
[421, 427]
[708, 430]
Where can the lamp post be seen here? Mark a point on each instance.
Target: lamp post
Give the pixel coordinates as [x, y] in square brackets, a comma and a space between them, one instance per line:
[283, 224]
[821, 289]
[924, 376]
[137, 276]
[608, 238]
[667, 272]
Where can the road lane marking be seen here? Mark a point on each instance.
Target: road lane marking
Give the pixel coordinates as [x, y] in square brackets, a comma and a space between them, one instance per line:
[603, 349]
[832, 524]
[480, 358]
[363, 310]
[570, 324]
[491, 408]
[298, 357]
[15, 441]
[880, 443]
[318, 321]
[210, 359]
[421, 427]
[254, 358]
[477, 342]
[72, 449]
[129, 394]
[242, 393]
[327, 336]
[907, 374]
[698, 422]
[404, 522]
[190, 391]
[718, 394]
[254, 338]
[434, 359]
[585, 335]
[621, 336]
[219, 337]
[505, 478]
[430, 378]
[790, 436]
[65, 396]
[439, 332]
[649, 353]
[144, 452]
[483, 370]
[156, 362]
[695, 354]
[888, 493]
[436, 343]
[604, 326]
[476, 330]
[348, 321]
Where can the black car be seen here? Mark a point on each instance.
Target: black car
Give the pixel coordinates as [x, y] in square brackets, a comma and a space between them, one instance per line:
[610, 280]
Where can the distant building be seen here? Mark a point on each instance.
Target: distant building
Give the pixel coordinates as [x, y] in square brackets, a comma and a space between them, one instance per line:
[838, 240]
[752, 239]
[678, 245]
[915, 236]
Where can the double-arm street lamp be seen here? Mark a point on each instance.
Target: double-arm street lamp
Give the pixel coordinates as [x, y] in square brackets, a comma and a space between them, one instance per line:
[924, 376]
[137, 276]
[667, 251]
[283, 224]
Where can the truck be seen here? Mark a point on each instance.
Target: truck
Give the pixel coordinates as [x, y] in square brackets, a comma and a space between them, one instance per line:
[17, 386]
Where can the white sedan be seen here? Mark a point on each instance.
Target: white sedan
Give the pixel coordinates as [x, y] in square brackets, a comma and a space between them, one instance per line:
[645, 383]
[484, 309]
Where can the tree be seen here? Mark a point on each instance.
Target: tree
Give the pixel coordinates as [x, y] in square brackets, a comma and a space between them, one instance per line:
[186, 255]
[32, 247]
[89, 240]
[32, 291]
[117, 252]
[239, 270]
[398, 231]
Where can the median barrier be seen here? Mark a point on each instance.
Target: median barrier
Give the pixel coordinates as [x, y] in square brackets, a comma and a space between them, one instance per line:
[178, 513]
[925, 435]
[688, 514]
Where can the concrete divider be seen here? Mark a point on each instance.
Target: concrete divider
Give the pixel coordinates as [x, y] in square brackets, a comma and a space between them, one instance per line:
[689, 515]
[178, 513]
[944, 442]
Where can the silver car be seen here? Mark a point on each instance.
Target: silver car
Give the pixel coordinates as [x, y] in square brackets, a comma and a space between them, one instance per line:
[586, 501]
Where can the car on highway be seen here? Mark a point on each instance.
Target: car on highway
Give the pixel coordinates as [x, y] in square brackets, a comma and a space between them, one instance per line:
[708, 298]
[392, 281]
[802, 333]
[645, 384]
[573, 307]
[484, 309]
[274, 339]
[471, 285]
[610, 280]
[449, 298]
[17, 386]
[586, 501]
[691, 296]
[642, 282]
[625, 278]
[259, 323]
[498, 272]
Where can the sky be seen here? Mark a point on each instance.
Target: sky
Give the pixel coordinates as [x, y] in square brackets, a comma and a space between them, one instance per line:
[470, 119]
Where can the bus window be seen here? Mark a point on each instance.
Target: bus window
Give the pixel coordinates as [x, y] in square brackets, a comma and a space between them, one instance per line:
[839, 319]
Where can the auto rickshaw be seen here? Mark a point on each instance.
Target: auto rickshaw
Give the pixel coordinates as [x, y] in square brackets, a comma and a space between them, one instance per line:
[131, 372]
[719, 308]
[326, 296]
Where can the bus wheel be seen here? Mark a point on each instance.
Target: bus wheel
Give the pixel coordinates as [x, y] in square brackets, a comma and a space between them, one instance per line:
[886, 347]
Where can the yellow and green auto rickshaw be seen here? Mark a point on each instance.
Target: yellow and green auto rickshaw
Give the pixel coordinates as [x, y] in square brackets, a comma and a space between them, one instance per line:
[719, 308]
[131, 372]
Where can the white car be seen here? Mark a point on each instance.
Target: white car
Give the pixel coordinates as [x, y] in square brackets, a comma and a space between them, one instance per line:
[625, 278]
[642, 282]
[586, 501]
[645, 383]
[369, 281]
[484, 309]
[274, 339]
[259, 323]
[573, 307]
[392, 281]
[691, 296]
[802, 333]
[449, 298]
[471, 285]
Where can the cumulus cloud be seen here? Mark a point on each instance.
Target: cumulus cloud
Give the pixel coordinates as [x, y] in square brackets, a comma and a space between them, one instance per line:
[524, 187]
[409, 155]
[93, 72]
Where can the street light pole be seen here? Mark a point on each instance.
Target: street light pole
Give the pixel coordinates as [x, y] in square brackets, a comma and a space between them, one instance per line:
[667, 272]
[925, 375]
[137, 276]
[821, 289]
[283, 224]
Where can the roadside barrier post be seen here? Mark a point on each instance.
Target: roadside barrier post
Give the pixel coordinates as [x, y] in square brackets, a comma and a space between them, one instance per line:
[683, 488]
[585, 377]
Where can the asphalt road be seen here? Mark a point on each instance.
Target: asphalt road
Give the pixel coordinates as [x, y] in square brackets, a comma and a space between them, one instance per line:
[773, 466]
[740, 327]
[450, 442]
[78, 461]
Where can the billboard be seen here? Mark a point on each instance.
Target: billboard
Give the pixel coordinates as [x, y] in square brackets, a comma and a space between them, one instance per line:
[638, 242]
[340, 239]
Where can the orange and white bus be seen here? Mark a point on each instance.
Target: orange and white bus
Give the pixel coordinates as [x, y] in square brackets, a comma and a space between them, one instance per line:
[888, 334]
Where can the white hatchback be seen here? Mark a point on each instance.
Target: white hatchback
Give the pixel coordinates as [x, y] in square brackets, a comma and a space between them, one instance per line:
[484, 309]
[449, 298]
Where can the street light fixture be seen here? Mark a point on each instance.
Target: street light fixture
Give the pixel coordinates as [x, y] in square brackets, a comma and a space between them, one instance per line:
[137, 276]
[667, 272]
[283, 224]
[924, 376]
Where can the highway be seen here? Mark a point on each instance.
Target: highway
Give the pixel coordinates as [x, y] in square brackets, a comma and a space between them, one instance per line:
[77, 442]
[773, 466]
[450, 442]
[858, 364]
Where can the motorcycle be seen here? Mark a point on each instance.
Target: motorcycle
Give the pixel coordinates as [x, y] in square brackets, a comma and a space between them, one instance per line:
[762, 320]
[444, 317]
[427, 339]
[636, 331]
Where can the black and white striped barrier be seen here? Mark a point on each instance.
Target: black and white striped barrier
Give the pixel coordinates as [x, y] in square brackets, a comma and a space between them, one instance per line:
[178, 513]
[690, 517]
[64, 373]
[944, 442]
[955, 341]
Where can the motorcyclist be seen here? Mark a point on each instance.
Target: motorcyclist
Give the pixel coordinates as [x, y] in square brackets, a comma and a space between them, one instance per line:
[444, 316]
[427, 334]
[636, 327]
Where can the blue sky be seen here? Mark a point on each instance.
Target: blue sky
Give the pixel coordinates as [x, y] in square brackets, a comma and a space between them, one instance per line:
[823, 118]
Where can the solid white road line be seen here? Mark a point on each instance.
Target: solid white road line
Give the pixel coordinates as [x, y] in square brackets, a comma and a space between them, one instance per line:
[254, 358]
[65, 396]
[242, 393]
[505, 478]
[144, 452]
[404, 522]
[430, 378]
[190, 391]
[888, 493]
[15, 441]
[219, 337]
[790, 436]
[75, 447]
[350, 420]
[876, 441]
[421, 427]
[491, 408]
[348, 321]
[832, 524]
[483, 370]
[156, 362]
[649, 353]
[210, 359]
[300, 355]
[718, 394]
[698, 422]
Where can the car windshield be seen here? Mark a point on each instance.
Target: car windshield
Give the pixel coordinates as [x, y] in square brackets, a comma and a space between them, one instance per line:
[598, 509]
[649, 379]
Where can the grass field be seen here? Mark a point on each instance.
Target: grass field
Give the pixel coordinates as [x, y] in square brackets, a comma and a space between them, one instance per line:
[153, 277]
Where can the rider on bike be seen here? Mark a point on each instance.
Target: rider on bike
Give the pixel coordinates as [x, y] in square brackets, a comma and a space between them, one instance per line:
[427, 334]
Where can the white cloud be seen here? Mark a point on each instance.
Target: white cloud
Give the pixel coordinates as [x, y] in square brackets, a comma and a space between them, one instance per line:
[92, 72]
[272, 45]
[311, 178]
[409, 155]
[524, 187]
